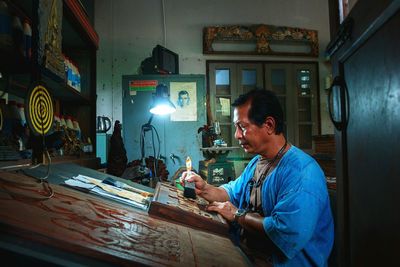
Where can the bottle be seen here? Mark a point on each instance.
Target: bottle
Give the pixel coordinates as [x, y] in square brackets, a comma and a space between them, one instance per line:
[27, 40]
[21, 111]
[77, 128]
[78, 79]
[73, 75]
[62, 122]
[5, 26]
[65, 67]
[56, 122]
[68, 122]
[18, 35]
[69, 72]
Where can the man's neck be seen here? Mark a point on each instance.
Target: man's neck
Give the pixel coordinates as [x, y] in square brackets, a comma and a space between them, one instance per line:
[273, 146]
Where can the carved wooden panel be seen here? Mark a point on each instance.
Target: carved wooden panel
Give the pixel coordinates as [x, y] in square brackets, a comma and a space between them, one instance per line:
[263, 36]
[80, 223]
[169, 203]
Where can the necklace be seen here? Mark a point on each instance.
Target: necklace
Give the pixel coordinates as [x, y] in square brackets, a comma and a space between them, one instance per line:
[256, 184]
[270, 164]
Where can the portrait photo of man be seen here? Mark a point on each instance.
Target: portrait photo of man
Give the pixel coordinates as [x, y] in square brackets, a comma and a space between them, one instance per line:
[183, 99]
[183, 95]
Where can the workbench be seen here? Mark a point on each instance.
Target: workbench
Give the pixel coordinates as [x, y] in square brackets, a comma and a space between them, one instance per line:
[73, 228]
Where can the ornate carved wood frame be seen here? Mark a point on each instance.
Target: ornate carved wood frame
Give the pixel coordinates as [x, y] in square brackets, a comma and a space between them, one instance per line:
[263, 36]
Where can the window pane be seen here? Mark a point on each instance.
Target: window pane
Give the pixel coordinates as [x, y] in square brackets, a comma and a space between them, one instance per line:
[282, 101]
[222, 77]
[303, 82]
[222, 81]
[226, 134]
[304, 104]
[223, 109]
[278, 81]
[305, 136]
[249, 77]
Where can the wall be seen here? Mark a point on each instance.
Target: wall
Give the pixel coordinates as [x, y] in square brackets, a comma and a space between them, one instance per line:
[129, 29]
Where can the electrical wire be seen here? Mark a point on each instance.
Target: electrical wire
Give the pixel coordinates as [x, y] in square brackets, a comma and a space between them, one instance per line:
[156, 154]
[42, 180]
[164, 23]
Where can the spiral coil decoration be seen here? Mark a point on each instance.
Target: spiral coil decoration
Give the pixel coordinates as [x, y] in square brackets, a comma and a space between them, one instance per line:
[39, 111]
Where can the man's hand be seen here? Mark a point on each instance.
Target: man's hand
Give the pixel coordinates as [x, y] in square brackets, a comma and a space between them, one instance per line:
[206, 191]
[190, 176]
[226, 209]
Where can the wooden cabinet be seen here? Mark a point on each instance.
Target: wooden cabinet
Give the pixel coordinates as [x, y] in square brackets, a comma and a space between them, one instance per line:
[364, 106]
[78, 41]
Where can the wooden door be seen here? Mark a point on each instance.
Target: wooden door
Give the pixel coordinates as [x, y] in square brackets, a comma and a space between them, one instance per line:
[366, 108]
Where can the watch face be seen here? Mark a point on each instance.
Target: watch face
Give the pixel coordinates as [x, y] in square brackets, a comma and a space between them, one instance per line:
[240, 212]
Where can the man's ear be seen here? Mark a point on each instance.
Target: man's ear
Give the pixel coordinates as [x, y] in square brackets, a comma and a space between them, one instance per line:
[270, 125]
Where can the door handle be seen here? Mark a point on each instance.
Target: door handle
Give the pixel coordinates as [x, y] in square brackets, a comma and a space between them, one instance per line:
[338, 106]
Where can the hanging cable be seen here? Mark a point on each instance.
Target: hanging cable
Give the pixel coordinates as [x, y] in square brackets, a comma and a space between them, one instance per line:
[156, 152]
[164, 23]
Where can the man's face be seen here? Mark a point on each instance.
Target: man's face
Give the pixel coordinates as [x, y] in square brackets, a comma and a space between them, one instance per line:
[184, 98]
[250, 136]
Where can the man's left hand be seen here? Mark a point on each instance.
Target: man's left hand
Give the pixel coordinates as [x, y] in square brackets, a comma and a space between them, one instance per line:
[226, 209]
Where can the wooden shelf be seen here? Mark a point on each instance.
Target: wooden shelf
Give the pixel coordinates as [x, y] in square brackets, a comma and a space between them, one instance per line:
[59, 89]
[79, 43]
[74, 10]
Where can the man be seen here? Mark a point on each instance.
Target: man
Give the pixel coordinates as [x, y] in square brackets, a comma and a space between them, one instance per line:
[183, 99]
[280, 201]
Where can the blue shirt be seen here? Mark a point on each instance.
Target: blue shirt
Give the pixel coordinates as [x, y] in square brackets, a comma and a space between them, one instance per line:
[296, 207]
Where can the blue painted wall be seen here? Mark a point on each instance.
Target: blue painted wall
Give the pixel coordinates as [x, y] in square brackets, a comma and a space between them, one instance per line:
[177, 137]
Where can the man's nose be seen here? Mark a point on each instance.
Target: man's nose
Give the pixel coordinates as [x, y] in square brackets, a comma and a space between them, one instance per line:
[238, 134]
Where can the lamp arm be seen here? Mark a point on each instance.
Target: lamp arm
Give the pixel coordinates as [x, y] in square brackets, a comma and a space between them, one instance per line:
[147, 126]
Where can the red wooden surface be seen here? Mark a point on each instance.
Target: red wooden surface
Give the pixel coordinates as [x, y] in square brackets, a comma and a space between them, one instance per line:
[80, 223]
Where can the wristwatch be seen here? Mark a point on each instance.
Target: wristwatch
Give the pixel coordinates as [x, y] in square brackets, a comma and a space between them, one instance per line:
[239, 213]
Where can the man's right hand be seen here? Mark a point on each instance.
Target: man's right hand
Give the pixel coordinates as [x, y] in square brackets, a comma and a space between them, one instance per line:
[204, 190]
[190, 176]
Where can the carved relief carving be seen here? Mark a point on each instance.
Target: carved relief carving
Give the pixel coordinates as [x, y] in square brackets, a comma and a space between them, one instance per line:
[262, 35]
[50, 25]
[108, 232]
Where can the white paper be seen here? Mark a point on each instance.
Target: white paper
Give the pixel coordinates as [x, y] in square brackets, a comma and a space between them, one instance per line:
[81, 181]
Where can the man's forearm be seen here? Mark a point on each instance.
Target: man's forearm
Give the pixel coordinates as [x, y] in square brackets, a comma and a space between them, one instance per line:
[253, 222]
[212, 193]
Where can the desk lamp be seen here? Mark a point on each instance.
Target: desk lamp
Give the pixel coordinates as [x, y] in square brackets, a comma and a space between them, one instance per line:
[161, 106]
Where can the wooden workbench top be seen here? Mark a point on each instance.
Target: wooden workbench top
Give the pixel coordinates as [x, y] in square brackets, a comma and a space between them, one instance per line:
[98, 229]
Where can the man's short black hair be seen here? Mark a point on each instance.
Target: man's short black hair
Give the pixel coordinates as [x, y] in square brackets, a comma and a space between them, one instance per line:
[263, 104]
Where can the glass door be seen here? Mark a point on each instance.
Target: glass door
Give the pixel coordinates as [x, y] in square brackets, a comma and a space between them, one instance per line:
[296, 87]
[307, 107]
[278, 79]
[228, 81]
[223, 87]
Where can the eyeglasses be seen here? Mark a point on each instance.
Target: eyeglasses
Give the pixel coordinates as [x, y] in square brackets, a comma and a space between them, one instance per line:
[242, 128]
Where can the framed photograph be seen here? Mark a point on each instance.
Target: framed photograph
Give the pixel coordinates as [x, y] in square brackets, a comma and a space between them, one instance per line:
[184, 97]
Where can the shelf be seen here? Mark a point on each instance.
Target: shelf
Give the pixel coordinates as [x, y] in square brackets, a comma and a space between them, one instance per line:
[12, 62]
[79, 42]
[59, 89]
[73, 8]
[76, 29]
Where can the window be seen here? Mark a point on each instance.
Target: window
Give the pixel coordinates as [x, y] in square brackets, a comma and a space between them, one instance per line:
[294, 83]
